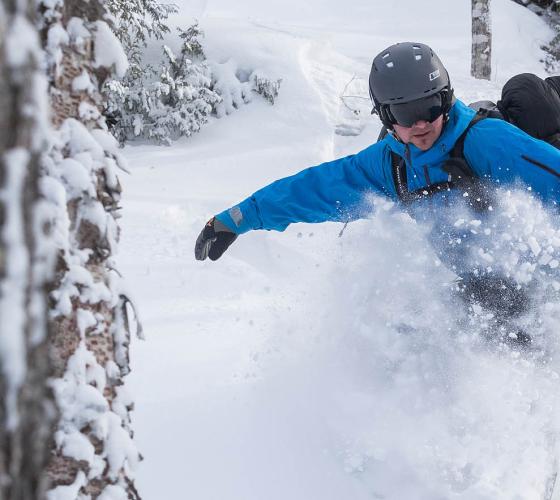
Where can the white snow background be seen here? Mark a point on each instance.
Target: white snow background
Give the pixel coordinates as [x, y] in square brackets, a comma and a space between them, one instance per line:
[305, 366]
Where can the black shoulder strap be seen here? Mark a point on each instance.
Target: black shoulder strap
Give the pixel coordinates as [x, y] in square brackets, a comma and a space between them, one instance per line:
[398, 170]
[398, 167]
[458, 148]
[554, 139]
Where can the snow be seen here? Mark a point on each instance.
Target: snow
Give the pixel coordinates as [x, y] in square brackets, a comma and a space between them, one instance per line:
[56, 37]
[108, 50]
[77, 30]
[302, 365]
[233, 92]
[113, 492]
[107, 141]
[85, 319]
[80, 395]
[22, 42]
[69, 492]
[76, 445]
[82, 82]
[121, 451]
[80, 140]
[76, 178]
[13, 289]
[88, 112]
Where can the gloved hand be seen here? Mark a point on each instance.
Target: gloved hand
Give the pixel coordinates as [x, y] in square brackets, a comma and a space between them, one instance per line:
[213, 240]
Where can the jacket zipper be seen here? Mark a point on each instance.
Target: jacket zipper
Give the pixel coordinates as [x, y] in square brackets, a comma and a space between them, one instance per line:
[408, 165]
[546, 168]
[427, 175]
[411, 171]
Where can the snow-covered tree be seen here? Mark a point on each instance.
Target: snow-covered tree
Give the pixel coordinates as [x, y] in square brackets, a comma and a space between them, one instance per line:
[549, 10]
[27, 409]
[481, 53]
[539, 5]
[552, 49]
[94, 455]
[551, 14]
[137, 20]
[177, 99]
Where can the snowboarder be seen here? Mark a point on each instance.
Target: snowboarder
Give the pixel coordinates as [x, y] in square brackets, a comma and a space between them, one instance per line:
[437, 151]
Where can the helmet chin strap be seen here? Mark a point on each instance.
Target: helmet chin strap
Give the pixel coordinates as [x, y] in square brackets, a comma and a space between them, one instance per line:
[446, 114]
[393, 132]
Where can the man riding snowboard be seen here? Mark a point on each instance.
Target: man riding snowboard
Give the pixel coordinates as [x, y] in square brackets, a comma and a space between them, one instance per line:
[438, 152]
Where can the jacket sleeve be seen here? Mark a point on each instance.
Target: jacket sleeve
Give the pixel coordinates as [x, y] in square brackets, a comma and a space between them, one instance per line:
[332, 191]
[505, 154]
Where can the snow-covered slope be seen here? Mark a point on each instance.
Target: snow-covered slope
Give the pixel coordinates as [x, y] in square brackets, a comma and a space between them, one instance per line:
[306, 366]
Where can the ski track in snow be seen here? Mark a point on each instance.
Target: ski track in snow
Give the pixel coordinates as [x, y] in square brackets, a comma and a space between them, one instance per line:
[306, 366]
[328, 74]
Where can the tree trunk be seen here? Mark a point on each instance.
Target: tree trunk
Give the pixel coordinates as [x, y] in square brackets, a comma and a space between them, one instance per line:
[481, 60]
[94, 454]
[27, 409]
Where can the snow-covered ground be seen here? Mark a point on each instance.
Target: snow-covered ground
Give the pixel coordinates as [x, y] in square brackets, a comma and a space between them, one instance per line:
[302, 365]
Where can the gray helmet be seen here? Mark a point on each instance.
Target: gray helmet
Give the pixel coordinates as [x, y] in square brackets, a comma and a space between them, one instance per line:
[406, 72]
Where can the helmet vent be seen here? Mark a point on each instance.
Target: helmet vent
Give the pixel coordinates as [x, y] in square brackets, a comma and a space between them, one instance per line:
[390, 64]
[418, 57]
[386, 55]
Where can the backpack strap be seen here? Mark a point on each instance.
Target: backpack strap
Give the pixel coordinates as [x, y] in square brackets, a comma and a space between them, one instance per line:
[398, 169]
[554, 139]
[458, 148]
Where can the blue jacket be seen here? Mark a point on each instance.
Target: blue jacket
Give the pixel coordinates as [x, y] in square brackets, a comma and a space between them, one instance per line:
[334, 191]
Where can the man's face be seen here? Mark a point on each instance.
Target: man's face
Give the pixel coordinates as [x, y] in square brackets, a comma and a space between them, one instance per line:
[422, 134]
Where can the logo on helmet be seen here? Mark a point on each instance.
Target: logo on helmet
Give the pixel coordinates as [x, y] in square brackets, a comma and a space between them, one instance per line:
[433, 75]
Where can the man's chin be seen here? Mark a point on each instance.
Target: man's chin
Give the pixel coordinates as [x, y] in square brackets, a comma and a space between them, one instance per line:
[423, 142]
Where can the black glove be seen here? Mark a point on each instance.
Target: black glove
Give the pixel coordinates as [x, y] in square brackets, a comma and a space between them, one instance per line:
[213, 240]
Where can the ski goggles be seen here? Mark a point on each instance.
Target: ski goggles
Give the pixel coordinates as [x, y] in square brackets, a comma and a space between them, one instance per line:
[425, 109]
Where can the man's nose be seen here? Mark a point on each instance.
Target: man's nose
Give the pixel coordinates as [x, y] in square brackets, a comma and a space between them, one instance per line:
[421, 124]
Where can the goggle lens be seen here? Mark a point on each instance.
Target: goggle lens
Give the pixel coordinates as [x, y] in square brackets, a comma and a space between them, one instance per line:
[426, 109]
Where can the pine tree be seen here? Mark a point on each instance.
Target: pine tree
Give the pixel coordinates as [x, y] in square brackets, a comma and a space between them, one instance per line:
[177, 99]
[94, 456]
[136, 21]
[481, 55]
[168, 103]
[539, 5]
[27, 408]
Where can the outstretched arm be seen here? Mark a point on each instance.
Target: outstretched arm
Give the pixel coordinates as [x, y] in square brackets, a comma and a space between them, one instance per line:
[332, 191]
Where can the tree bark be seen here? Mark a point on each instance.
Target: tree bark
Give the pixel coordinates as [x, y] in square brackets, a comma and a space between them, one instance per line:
[63, 308]
[481, 53]
[94, 453]
[27, 409]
